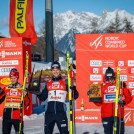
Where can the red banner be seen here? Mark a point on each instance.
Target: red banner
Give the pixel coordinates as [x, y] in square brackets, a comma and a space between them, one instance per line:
[21, 19]
[13, 55]
[94, 53]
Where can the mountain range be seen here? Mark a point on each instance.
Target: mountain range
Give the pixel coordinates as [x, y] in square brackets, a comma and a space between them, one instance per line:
[67, 24]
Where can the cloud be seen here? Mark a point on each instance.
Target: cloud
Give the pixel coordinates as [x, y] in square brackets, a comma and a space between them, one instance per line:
[4, 23]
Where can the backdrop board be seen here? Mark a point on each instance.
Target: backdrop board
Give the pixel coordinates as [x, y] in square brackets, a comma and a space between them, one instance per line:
[13, 55]
[94, 53]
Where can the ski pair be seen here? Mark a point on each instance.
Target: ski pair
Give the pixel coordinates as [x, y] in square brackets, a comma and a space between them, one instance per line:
[71, 100]
[23, 88]
[119, 86]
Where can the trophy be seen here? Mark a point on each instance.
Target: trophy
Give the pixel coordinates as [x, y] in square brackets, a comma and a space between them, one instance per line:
[34, 85]
[94, 93]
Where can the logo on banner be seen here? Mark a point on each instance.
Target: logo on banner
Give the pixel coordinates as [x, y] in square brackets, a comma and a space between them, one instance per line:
[127, 117]
[9, 44]
[3, 54]
[84, 118]
[120, 63]
[26, 43]
[55, 85]
[5, 81]
[4, 71]
[111, 89]
[95, 77]
[20, 16]
[97, 42]
[131, 84]
[1, 43]
[114, 42]
[95, 70]
[132, 70]
[131, 63]
[95, 63]
[9, 62]
[108, 63]
[123, 77]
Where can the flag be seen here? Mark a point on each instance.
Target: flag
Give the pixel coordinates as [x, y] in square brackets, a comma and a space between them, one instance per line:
[21, 23]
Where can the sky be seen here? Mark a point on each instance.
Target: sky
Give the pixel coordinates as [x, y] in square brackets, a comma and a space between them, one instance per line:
[61, 6]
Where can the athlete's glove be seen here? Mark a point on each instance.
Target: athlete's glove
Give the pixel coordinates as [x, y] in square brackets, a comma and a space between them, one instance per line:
[73, 88]
[89, 92]
[1, 90]
[122, 103]
[124, 84]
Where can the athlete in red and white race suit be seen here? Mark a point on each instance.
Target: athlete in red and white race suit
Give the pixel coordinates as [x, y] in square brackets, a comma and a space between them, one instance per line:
[12, 96]
[55, 91]
[108, 102]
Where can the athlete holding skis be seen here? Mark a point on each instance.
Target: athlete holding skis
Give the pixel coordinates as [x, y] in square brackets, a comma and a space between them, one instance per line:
[56, 90]
[108, 102]
[12, 96]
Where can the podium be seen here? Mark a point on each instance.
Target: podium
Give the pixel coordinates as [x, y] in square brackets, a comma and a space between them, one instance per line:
[13, 55]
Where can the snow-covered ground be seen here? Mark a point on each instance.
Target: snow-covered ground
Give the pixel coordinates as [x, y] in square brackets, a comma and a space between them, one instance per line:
[34, 124]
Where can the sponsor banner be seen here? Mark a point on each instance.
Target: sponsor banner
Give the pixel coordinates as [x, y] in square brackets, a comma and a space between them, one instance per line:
[9, 62]
[95, 63]
[131, 63]
[87, 116]
[130, 77]
[131, 84]
[10, 54]
[123, 77]
[123, 70]
[94, 54]
[95, 70]
[95, 77]
[13, 55]
[108, 63]
[5, 81]
[121, 63]
[129, 117]
[21, 22]
[7, 44]
[4, 71]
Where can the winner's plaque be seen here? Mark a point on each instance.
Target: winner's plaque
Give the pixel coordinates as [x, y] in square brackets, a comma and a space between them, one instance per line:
[95, 92]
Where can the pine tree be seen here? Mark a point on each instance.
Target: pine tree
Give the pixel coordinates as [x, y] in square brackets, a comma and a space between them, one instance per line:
[115, 26]
[93, 27]
[40, 46]
[128, 26]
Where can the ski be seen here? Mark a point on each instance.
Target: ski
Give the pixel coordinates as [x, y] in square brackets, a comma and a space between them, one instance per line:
[120, 109]
[116, 100]
[23, 88]
[70, 94]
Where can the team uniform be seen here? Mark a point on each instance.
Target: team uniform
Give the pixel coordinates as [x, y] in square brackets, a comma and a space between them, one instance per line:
[11, 114]
[108, 106]
[108, 90]
[56, 91]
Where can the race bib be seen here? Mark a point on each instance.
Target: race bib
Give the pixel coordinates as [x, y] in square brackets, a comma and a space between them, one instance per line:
[57, 95]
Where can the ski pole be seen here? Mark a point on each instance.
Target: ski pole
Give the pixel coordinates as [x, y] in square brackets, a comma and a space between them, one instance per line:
[120, 110]
[74, 125]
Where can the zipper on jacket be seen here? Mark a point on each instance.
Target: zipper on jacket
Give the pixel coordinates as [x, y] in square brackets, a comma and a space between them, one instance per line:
[112, 109]
[11, 113]
[55, 107]
[55, 102]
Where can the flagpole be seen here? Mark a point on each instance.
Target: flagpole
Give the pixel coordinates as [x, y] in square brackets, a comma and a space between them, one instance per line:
[49, 31]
